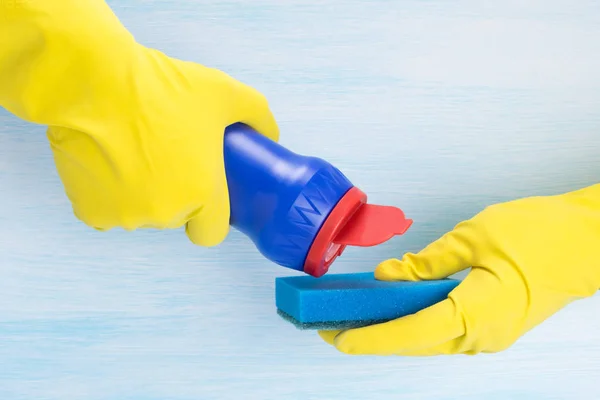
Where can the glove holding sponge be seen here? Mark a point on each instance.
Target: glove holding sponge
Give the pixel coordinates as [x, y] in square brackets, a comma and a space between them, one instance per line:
[529, 258]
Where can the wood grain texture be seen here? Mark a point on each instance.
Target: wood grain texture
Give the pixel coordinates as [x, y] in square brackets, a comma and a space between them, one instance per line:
[439, 107]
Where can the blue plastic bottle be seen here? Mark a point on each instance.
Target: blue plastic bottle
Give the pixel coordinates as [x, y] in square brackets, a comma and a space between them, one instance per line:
[285, 202]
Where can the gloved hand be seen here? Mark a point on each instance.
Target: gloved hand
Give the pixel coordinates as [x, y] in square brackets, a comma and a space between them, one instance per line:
[529, 257]
[137, 136]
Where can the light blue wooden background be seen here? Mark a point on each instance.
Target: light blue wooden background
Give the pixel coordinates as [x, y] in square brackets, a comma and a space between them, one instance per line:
[439, 107]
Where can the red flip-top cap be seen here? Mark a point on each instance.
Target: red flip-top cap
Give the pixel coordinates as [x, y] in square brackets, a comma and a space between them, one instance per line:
[353, 222]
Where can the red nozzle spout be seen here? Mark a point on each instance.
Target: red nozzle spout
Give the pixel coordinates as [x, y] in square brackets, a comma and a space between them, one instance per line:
[372, 225]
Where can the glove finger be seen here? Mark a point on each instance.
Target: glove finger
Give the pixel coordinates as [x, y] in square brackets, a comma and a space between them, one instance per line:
[451, 253]
[210, 226]
[252, 108]
[415, 334]
[329, 336]
[445, 348]
[453, 346]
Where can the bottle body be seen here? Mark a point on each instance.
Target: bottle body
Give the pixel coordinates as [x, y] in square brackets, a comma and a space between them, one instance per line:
[279, 199]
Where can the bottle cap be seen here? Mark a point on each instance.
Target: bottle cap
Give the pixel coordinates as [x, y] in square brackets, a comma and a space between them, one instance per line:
[353, 222]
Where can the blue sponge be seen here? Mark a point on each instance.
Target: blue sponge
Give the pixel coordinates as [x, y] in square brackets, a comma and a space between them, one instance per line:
[344, 301]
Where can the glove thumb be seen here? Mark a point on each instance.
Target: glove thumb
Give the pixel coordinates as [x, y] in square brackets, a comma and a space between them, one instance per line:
[448, 255]
[252, 108]
[210, 225]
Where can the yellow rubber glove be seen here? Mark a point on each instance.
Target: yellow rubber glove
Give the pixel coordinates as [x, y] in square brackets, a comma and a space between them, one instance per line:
[137, 136]
[529, 257]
